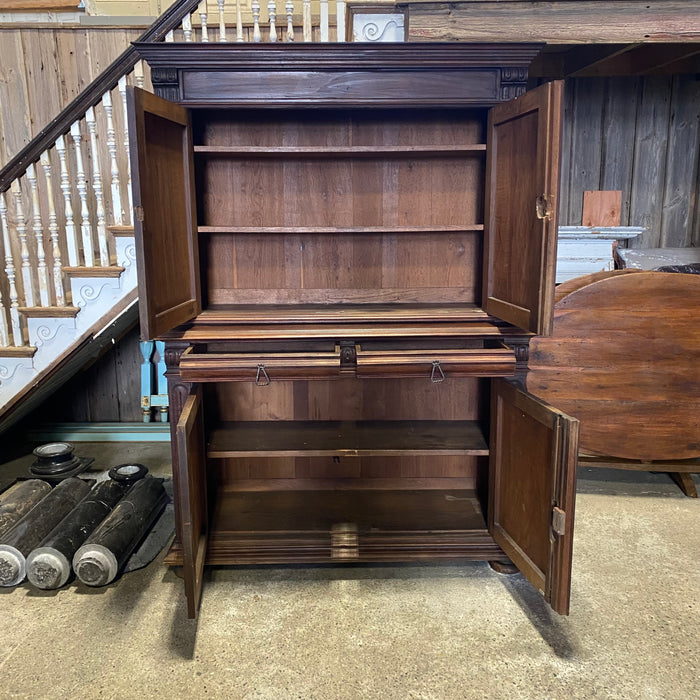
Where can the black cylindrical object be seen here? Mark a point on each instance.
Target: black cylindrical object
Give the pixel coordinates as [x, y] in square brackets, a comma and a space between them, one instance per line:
[128, 473]
[18, 500]
[55, 462]
[34, 526]
[104, 553]
[48, 566]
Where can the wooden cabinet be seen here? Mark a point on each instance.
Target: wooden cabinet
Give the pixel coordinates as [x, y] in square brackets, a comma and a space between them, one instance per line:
[346, 249]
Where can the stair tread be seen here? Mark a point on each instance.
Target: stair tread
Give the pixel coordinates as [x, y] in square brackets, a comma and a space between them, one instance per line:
[12, 351]
[49, 311]
[82, 271]
[121, 230]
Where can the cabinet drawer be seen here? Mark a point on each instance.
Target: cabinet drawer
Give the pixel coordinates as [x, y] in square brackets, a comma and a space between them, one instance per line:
[436, 364]
[261, 368]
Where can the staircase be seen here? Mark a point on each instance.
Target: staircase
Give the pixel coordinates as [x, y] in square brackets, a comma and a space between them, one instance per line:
[69, 271]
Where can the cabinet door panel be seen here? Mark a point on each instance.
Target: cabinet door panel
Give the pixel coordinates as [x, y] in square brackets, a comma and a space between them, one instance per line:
[162, 171]
[533, 488]
[191, 497]
[522, 182]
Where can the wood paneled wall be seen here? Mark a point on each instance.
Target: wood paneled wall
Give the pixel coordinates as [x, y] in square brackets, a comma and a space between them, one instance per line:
[108, 390]
[43, 69]
[641, 136]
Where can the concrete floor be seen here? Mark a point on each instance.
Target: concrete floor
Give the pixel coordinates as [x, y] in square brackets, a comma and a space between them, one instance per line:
[382, 632]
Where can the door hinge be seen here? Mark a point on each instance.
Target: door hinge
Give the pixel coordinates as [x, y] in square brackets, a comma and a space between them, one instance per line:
[344, 541]
[542, 207]
[138, 213]
[558, 521]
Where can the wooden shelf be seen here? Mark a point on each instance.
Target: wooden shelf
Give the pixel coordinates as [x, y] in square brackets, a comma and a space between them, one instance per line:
[346, 439]
[446, 150]
[208, 332]
[303, 526]
[341, 229]
[334, 313]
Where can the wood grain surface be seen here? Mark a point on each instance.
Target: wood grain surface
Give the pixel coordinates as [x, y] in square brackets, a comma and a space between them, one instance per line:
[624, 358]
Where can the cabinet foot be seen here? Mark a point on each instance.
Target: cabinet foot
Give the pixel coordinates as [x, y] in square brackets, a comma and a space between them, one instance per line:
[178, 571]
[686, 483]
[504, 567]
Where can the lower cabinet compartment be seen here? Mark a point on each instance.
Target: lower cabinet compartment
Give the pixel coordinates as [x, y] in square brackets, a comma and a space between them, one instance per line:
[350, 525]
[381, 470]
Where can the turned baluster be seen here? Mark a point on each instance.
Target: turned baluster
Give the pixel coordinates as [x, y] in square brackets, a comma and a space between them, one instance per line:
[72, 244]
[170, 37]
[306, 19]
[138, 74]
[58, 290]
[340, 20]
[117, 211]
[222, 22]
[21, 228]
[81, 185]
[13, 335]
[239, 23]
[289, 7]
[38, 230]
[122, 95]
[187, 27]
[203, 21]
[97, 188]
[255, 7]
[324, 21]
[272, 13]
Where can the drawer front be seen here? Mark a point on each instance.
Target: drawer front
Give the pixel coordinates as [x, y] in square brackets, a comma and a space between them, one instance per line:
[260, 368]
[436, 365]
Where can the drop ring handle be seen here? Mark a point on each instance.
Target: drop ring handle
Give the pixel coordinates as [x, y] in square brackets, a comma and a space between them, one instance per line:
[436, 373]
[262, 378]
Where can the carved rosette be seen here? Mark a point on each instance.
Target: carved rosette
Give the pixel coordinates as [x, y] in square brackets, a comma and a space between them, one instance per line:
[166, 83]
[513, 82]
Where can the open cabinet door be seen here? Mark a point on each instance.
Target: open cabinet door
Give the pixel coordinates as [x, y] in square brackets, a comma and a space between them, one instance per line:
[191, 495]
[165, 228]
[532, 488]
[522, 182]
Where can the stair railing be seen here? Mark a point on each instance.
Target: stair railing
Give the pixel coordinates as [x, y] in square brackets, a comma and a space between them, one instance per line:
[67, 194]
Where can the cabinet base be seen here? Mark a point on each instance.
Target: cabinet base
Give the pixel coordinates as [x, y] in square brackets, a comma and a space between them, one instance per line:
[314, 548]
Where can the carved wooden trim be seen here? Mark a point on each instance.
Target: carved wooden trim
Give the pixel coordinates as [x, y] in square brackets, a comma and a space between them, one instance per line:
[166, 83]
[335, 57]
[513, 82]
[521, 349]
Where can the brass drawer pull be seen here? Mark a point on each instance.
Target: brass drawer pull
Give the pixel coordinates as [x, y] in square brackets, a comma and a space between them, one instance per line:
[261, 378]
[436, 378]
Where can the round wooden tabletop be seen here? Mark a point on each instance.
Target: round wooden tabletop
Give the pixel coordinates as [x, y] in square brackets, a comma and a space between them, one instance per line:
[624, 358]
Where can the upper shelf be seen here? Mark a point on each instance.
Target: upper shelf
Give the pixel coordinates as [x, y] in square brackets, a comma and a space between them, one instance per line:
[341, 229]
[455, 150]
